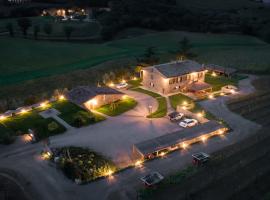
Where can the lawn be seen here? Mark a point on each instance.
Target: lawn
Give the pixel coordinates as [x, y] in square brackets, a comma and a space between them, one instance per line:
[179, 99]
[36, 59]
[162, 103]
[118, 107]
[83, 165]
[134, 83]
[70, 112]
[19, 125]
[219, 81]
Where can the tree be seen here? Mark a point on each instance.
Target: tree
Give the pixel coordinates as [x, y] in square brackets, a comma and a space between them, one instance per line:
[47, 28]
[149, 57]
[9, 27]
[184, 49]
[36, 31]
[24, 24]
[68, 30]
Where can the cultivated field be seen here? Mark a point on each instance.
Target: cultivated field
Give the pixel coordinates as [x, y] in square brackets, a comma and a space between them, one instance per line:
[254, 107]
[36, 59]
[217, 4]
[239, 171]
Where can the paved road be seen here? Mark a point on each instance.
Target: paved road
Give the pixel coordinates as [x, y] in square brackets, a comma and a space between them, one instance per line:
[123, 131]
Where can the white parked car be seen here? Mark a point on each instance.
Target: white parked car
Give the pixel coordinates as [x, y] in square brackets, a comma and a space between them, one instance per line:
[229, 89]
[188, 123]
[121, 85]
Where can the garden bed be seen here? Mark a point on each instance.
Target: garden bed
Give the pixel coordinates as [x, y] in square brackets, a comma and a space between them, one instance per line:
[118, 107]
[82, 165]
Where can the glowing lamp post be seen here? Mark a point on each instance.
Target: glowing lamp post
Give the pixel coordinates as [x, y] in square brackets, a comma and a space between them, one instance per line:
[61, 97]
[2, 117]
[214, 74]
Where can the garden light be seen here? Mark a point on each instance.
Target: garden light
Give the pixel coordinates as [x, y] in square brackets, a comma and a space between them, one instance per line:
[200, 114]
[220, 132]
[184, 145]
[138, 163]
[111, 84]
[93, 102]
[108, 173]
[214, 74]
[222, 94]
[124, 81]
[44, 104]
[203, 138]
[2, 117]
[162, 154]
[46, 155]
[184, 103]
[134, 78]
[23, 111]
[124, 97]
[211, 96]
[61, 97]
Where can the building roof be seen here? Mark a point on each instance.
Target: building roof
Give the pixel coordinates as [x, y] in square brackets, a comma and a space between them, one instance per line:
[199, 86]
[165, 141]
[225, 70]
[178, 68]
[82, 94]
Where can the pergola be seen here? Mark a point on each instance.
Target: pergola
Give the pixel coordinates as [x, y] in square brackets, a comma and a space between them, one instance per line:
[200, 89]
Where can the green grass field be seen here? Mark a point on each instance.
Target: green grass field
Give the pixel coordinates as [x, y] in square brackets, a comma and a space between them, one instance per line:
[23, 60]
[69, 110]
[81, 29]
[19, 124]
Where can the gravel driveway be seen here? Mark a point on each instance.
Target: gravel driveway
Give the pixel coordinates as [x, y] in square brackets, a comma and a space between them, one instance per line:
[114, 137]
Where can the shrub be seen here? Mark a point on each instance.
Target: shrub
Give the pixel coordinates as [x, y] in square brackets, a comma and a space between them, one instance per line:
[82, 118]
[53, 126]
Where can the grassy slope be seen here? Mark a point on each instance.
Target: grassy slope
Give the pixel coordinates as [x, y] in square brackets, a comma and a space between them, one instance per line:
[39, 59]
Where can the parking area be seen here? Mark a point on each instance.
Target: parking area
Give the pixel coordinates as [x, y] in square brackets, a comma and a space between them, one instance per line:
[115, 136]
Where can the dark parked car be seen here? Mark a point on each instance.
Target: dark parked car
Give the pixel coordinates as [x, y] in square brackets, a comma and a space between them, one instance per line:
[174, 116]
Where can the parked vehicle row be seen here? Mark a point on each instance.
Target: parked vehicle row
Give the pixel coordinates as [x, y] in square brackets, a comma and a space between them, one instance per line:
[185, 123]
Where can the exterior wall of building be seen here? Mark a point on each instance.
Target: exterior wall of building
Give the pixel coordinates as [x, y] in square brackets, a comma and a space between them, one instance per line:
[154, 80]
[101, 100]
